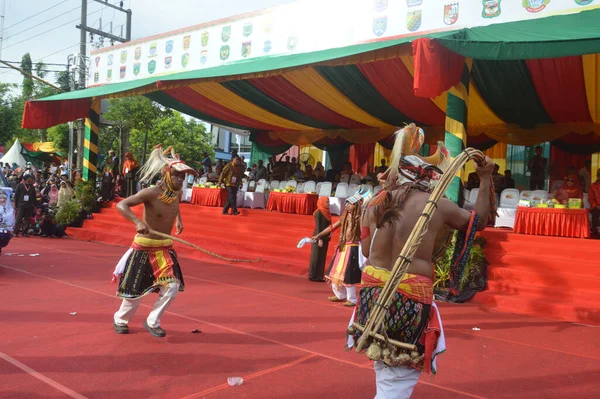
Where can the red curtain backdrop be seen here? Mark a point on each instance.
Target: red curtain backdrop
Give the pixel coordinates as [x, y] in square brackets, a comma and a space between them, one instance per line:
[41, 114]
[361, 156]
[560, 161]
[437, 69]
[560, 85]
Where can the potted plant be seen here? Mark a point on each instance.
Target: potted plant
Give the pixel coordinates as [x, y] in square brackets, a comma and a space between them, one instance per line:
[70, 214]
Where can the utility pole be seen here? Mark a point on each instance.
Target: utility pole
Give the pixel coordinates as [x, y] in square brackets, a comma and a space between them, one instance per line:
[84, 28]
[2, 26]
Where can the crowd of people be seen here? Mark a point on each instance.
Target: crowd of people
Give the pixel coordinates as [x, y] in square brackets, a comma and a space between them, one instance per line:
[37, 196]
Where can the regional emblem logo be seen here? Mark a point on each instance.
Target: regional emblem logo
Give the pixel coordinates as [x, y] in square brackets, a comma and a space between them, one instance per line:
[413, 20]
[136, 68]
[534, 6]
[122, 71]
[247, 29]
[226, 33]
[109, 74]
[123, 56]
[491, 8]
[268, 25]
[96, 77]
[97, 60]
[203, 56]
[224, 53]
[185, 60]
[168, 62]
[138, 53]
[292, 43]
[186, 42]
[169, 46]
[204, 38]
[379, 26]
[246, 49]
[110, 59]
[450, 14]
[151, 67]
[583, 2]
[153, 52]
[414, 3]
[268, 46]
[381, 5]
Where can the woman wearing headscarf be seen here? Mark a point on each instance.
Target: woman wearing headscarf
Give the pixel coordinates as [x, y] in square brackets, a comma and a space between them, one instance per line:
[318, 255]
[65, 194]
[570, 189]
[130, 167]
[53, 195]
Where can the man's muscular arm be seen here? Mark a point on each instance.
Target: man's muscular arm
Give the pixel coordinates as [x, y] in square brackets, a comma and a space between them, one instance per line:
[124, 208]
[458, 218]
[327, 231]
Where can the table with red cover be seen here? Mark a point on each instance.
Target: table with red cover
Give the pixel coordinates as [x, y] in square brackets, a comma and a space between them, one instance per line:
[209, 196]
[552, 222]
[302, 204]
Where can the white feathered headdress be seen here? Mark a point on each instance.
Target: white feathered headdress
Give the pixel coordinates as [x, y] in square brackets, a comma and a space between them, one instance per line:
[160, 161]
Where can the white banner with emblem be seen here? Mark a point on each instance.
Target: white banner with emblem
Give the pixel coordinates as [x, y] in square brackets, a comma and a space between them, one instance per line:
[307, 26]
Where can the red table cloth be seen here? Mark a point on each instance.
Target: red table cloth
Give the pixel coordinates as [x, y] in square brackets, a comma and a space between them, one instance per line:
[209, 196]
[302, 204]
[552, 222]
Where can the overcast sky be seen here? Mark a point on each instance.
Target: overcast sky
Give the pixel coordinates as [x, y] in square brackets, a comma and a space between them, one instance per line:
[51, 36]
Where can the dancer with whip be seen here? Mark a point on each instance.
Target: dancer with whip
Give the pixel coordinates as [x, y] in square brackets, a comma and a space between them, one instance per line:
[396, 321]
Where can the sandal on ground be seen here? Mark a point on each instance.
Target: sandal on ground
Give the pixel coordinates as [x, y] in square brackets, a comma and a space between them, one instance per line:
[121, 329]
[348, 303]
[335, 299]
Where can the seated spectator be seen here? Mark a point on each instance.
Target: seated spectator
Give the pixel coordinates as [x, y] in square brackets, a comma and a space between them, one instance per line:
[261, 171]
[308, 173]
[383, 167]
[347, 169]
[498, 179]
[319, 172]
[570, 189]
[472, 181]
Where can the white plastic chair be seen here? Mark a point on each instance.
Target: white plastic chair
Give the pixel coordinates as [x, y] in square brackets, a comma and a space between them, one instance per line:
[325, 189]
[203, 180]
[283, 185]
[260, 186]
[525, 195]
[252, 186]
[300, 188]
[466, 194]
[368, 187]
[274, 184]
[473, 195]
[341, 191]
[310, 186]
[244, 187]
[377, 189]
[352, 189]
[355, 179]
[586, 202]
[539, 195]
[509, 198]
[344, 178]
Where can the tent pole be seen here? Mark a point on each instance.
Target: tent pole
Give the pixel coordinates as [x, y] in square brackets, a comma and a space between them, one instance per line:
[456, 126]
[90, 144]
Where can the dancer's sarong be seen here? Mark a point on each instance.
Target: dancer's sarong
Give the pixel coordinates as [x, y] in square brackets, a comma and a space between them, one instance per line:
[146, 266]
[412, 317]
[344, 269]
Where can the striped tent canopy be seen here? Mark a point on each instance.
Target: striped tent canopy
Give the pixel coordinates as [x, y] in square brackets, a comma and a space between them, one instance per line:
[531, 82]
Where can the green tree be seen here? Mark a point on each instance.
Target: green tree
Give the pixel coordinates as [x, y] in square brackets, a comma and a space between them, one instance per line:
[59, 135]
[27, 87]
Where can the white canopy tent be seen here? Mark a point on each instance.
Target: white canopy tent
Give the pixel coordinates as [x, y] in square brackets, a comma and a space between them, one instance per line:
[14, 155]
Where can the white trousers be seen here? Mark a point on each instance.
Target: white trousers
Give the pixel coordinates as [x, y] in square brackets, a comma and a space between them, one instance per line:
[343, 292]
[395, 382]
[129, 306]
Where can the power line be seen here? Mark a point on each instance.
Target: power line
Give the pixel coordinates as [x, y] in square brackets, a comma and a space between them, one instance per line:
[40, 70]
[46, 63]
[46, 56]
[49, 30]
[41, 23]
[41, 12]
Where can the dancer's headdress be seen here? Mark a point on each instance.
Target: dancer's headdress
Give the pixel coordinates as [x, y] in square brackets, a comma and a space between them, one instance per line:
[164, 162]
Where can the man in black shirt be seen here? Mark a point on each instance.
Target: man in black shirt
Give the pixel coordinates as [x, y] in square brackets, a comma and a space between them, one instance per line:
[24, 202]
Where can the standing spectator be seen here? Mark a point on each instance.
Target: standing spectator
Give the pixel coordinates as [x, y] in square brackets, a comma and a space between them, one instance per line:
[537, 167]
[130, 167]
[116, 163]
[585, 175]
[25, 198]
[383, 167]
[509, 182]
[231, 178]
[53, 169]
[107, 178]
[206, 162]
[594, 200]
[243, 162]
[261, 171]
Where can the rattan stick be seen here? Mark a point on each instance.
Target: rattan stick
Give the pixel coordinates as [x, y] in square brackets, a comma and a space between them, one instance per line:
[399, 344]
[163, 235]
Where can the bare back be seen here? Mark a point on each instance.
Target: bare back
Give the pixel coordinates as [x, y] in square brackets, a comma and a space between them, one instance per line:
[390, 240]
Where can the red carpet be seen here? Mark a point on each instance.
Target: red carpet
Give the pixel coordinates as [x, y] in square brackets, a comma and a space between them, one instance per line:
[552, 277]
[278, 332]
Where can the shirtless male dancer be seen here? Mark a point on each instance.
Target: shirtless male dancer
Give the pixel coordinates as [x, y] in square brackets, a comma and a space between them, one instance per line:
[151, 265]
[387, 222]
